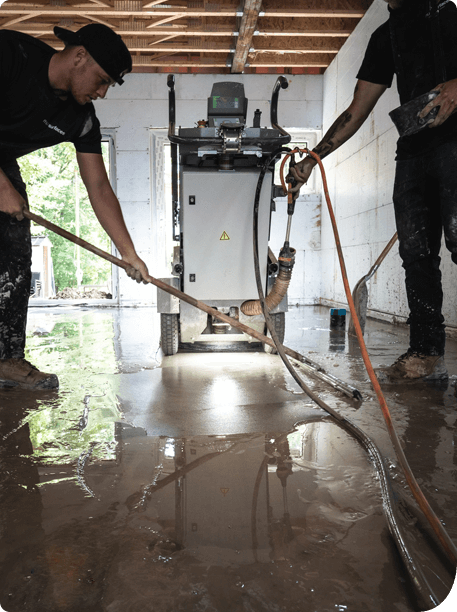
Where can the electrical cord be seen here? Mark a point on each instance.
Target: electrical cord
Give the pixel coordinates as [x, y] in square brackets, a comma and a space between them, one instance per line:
[416, 573]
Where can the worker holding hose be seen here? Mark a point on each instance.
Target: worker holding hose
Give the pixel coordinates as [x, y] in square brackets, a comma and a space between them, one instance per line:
[418, 43]
[47, 99]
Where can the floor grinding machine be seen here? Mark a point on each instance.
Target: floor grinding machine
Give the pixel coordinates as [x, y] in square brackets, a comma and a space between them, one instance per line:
[215, 174]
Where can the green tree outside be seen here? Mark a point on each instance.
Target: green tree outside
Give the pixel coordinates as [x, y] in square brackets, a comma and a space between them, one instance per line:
[53, 182]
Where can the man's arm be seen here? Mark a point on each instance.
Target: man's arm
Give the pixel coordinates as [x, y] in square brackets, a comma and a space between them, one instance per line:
[108, 211]
[365, 97]
[11, 201]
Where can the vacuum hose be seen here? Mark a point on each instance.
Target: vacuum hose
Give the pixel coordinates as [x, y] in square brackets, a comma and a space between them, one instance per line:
[286, 262]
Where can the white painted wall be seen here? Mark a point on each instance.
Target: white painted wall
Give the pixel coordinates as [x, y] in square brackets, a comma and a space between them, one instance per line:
[360, 176]
[129, 112]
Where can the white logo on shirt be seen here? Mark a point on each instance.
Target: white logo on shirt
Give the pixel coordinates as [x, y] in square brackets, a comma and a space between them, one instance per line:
[53, 127]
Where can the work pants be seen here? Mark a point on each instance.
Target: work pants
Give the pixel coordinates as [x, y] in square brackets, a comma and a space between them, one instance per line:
[15, 275]
[425, 202]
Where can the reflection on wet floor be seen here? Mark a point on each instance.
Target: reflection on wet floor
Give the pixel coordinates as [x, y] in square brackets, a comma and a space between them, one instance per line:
[209, 481]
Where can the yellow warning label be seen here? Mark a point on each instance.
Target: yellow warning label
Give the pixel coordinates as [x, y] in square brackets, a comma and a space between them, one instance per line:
[224, 236]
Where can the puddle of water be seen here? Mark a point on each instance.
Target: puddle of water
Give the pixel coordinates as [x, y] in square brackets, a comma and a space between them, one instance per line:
[97, 515]
[243, 522]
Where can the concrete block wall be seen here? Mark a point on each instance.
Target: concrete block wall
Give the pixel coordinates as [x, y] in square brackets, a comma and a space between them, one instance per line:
[360, 176]
[130, 113]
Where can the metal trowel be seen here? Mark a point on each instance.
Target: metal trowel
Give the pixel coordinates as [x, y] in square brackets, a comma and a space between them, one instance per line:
[406, 117]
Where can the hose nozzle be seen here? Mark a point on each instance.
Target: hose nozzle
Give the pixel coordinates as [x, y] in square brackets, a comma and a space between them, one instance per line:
[286, 257]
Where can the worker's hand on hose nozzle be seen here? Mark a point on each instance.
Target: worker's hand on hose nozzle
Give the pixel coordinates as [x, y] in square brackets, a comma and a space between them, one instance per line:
[137, 269]
[300, 172]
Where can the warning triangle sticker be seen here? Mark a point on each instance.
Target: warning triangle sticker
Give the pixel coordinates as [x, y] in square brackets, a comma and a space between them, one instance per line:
[224, 236]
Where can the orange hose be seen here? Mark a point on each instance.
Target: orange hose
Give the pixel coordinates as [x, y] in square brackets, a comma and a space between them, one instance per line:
[434, 521]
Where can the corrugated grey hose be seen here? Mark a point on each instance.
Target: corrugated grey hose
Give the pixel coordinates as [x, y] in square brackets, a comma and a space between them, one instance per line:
[278, 291]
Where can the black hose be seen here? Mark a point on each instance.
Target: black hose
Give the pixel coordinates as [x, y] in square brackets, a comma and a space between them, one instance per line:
[281, 83]
[420, 582]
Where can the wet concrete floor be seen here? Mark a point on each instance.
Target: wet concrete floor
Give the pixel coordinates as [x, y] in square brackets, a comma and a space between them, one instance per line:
[209, 481]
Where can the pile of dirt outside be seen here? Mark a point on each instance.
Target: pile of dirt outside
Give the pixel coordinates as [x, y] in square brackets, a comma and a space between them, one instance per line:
[74, 293]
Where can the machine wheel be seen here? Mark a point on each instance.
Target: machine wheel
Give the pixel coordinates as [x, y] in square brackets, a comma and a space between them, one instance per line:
[279, 321]
[169, 333]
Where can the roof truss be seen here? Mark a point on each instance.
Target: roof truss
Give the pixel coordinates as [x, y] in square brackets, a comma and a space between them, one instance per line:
[204, 35]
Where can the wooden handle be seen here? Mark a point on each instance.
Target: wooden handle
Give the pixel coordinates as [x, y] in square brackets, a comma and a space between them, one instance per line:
[387, 248]
[381, 257]
[79, 241]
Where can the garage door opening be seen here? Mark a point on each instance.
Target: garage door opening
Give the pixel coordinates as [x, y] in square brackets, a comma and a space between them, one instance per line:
[61, 269]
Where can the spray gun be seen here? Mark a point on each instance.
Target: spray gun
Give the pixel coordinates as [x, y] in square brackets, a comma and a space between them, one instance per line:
[287, 254]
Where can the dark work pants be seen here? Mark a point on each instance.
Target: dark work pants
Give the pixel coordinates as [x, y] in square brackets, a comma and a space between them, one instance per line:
[15, 275]
[425, 201]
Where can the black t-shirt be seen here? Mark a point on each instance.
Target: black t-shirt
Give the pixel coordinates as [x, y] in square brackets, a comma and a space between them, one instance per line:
[403, 45]
[31, 115]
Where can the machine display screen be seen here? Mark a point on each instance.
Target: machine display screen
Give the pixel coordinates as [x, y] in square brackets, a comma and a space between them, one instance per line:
[225, 102]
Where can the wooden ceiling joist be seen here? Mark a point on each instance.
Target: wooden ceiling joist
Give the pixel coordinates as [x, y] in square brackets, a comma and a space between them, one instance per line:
[47, 29]
[295, 13]
[221, 48]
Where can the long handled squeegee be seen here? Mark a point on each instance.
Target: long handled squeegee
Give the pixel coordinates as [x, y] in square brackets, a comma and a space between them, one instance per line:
[312, 367]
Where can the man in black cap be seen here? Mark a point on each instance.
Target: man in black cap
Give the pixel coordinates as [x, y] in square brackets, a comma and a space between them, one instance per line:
[418, 43]
[47, 99]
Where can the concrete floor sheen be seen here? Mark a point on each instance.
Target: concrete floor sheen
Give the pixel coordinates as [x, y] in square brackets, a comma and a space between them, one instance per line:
[208, 481]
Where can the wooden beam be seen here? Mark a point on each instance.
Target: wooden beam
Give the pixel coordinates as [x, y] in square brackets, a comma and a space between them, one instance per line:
[209, 62]
[165, 20]
[295, 13]
[151, 4]
[156, 42]
[185, 48]
[68, 11]
[11, 22]
[315, 13]
[251, 11]
[176, 30]
[100, 3]
[311, 33]
[96, 19]
[209, 47]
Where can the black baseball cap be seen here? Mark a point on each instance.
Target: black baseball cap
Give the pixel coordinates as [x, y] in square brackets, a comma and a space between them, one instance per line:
[105, 46]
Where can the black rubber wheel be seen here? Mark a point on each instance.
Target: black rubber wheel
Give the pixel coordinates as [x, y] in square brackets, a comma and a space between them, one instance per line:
[279, 322]
[169, 333]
